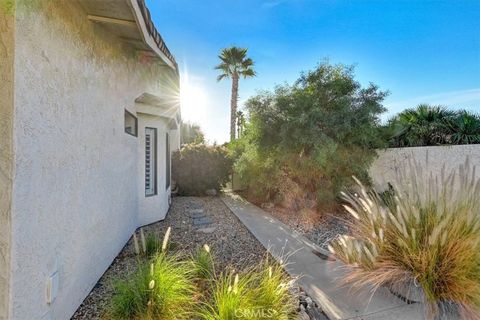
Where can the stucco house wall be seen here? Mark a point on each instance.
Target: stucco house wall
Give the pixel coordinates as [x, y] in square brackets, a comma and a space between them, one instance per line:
[6, 150]
[385, 167]
[153, 208]
[76, 190]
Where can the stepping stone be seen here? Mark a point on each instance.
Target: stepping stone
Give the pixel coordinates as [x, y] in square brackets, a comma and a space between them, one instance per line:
[196, 205]
[202, 221]
[207, 229]
[196, 213]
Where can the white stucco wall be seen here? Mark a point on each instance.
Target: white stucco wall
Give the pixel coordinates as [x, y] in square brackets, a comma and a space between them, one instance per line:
[152, 208]
[75, 193]
[384, 169]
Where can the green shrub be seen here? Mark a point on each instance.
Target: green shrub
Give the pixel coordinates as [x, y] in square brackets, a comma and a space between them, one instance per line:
[429, 237]
[303, 142]
[198, 167]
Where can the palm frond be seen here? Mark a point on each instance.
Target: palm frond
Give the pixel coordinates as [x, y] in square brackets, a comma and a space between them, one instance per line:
[220, 77]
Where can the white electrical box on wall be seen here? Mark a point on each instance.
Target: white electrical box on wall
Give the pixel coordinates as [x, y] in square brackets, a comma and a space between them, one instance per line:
[52, 288]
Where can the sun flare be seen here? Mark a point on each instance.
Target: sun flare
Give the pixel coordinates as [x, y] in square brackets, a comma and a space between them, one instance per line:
[193, 101]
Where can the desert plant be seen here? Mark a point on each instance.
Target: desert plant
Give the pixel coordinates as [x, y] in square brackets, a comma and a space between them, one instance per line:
[198, 167]
[424, 125]
[464, 128]
[152, 244]
[203, 263]
[229, 296]
[429, 238]
[272, 293]
[388, 196]
[234, 64]
[160, 289]
[428, 125]
[262, 292]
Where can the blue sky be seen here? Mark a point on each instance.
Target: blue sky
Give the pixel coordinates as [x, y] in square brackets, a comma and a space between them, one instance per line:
[421, 51]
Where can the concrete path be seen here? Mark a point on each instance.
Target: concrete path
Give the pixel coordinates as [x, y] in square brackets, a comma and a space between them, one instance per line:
[317, 273]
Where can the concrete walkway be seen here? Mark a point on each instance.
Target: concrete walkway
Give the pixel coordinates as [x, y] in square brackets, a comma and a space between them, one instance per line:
[317, 273]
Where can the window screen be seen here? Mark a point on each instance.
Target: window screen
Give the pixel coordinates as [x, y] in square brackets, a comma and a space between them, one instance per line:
[167, 155]
[150, 161]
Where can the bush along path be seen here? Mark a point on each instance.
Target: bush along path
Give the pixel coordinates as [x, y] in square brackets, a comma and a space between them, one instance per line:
[208, 261]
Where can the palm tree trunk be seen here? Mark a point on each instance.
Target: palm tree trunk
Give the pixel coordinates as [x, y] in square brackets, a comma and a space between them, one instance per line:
[233, 106]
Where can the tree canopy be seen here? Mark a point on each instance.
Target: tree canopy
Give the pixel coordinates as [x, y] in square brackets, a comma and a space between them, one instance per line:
[311, 136]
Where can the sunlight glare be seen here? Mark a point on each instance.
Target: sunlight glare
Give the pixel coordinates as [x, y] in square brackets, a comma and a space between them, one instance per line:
[193, 101]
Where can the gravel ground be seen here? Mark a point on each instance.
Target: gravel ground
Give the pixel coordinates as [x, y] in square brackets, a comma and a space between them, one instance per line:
[320, 228]
[231, 242]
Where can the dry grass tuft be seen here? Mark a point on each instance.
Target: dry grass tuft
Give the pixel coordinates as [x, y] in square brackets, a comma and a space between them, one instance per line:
[426, 239]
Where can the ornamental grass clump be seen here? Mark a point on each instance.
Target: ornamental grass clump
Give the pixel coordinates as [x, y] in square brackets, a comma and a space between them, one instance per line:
[162, 288]
[273, 292]
[427, 240]
[263, 292]
[203, 263]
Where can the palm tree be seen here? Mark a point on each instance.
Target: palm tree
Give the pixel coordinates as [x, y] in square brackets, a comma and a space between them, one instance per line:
[464, 128]
[423, 126]
[234, 64]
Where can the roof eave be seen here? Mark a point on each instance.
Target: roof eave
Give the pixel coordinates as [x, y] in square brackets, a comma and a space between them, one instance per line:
[150, 35]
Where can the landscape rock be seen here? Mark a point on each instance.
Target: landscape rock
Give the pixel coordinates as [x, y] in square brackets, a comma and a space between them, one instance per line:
[207, 230]
[211, 192]
[267, 205]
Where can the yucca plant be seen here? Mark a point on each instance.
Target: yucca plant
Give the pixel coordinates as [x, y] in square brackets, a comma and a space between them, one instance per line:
[427, 240]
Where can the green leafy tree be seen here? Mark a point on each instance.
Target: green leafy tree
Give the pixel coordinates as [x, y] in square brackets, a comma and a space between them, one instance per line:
[191, 133]
[305, 141]
[234, 64]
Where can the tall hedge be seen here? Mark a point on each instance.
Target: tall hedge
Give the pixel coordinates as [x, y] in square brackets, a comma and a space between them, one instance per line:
[197, 168]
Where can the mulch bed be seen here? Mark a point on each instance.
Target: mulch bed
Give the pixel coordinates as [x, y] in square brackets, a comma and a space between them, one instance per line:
[233, 245]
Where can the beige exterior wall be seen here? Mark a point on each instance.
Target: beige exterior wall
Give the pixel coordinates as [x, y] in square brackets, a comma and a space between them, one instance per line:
[75, 193]
[384, 169]
[6, 149]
